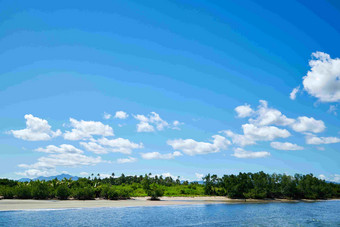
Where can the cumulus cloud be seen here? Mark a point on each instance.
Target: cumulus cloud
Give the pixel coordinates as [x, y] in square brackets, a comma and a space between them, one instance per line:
[107, 116]
[121, 145]
[241, 153]
[285, 146]
[94, 147]
[322, 177]
[86, 129]
[36, 129]
[244, 111]
[154, 122]
[145, 127]
[63, 148]
[308, 124]
[312, 139]
[176, 124]
[126, 160]
[323, 79]
[33, 173]
[192, 147]
[121, 115]
[332, 109]
[157, 155]
[269, 116]
[333, 178]
[253, 133]
[292, 95]
[199, 176]
[104, 145]
[84, 174]
[65, 156]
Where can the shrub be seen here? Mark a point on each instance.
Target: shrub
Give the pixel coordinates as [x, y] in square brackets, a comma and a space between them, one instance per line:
[84, 193]
[7, 192]
[63, 192]
[104, 193]
[40, 190]
[112, 194]
[124, 193]
[23, 191]
[155, 192]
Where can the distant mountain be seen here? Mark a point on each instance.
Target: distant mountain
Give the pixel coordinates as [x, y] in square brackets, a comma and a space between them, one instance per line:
[59, 177]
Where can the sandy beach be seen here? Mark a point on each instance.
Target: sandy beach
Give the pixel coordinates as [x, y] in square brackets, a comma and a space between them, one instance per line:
[19, 204]
[30, 204]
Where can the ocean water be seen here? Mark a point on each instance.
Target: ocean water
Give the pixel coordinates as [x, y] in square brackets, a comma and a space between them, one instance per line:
[326, 213]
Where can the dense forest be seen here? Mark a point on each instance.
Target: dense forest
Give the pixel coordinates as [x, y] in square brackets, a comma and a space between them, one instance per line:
[244, 185]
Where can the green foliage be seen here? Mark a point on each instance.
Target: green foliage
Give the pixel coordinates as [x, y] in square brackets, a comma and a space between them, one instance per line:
[39, 190]
[8, 182]
[7, 192]
[261, 185]
[63, 192]
[84, 193]
[113, 194]
[23, 191]
[244, 185]
[155, 191]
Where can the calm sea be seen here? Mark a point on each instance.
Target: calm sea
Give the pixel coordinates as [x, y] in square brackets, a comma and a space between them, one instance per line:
[325, 213]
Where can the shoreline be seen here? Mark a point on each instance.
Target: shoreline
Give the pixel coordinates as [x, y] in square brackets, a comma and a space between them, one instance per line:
[21, 204]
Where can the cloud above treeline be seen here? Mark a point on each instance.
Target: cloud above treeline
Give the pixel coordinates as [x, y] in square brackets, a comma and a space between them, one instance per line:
[37, 129]
[322, 80]
[264, 124]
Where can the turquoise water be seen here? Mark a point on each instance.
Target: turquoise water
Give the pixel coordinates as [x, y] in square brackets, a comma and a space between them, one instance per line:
[325, 213]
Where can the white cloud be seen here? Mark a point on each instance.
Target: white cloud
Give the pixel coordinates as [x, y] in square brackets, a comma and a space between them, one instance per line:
[335, 178]
[308, 124]
[121, 115]
[192, 147]
[332, 178]
[241, 153]
[145, 127]
[322, 177]
[94, 147]
[64, 148]
[157, 155]
[33, 173]
[65, 156]
[126, 160]
[154, 122]
[252, 133]
[270, 116]
[244, 111]
[176, 124]
[69, 159]
[292, 95]
[104, 145]
[86, 129]
[107, 116]
[84, 174]
[312, 139]
[158, 121]
[323, 79]
[332, 109]
[36, 129]
[285, 146]
[199, 176]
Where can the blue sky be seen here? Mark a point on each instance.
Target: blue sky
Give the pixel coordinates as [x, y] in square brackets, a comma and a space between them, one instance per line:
[199, 86]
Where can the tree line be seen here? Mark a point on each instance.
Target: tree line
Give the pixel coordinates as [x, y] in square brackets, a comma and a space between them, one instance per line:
[261, 185]
[244, 185]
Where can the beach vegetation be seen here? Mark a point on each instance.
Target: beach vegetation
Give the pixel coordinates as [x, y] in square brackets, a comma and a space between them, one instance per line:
[241, 186]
